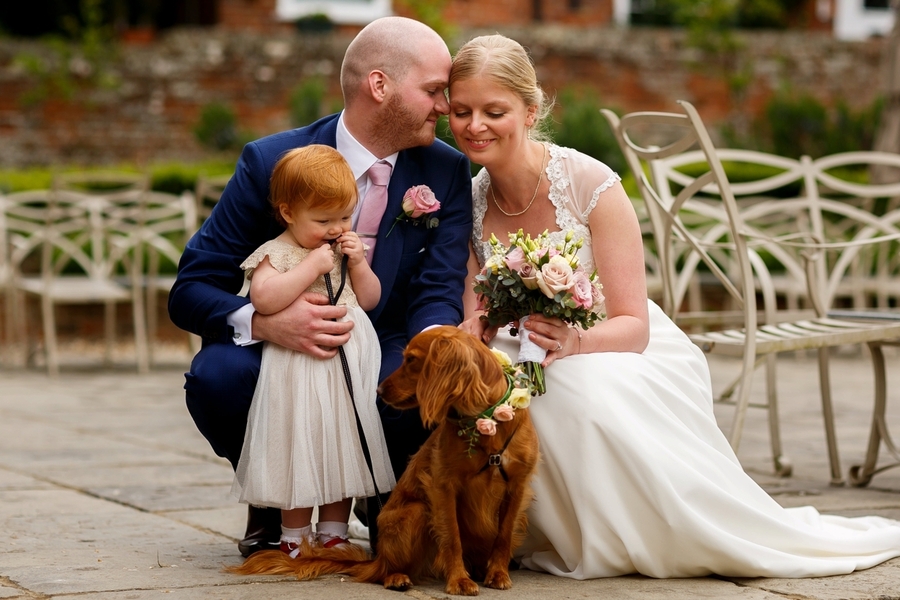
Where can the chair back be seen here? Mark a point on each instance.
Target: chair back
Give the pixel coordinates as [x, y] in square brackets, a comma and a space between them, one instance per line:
[101, 182]
[208, 191]
[689, 228]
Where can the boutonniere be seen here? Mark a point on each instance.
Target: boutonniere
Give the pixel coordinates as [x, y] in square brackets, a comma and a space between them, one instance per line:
[418, 203]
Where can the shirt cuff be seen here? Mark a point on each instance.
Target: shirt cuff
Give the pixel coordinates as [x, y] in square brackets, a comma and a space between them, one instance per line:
[241, 322]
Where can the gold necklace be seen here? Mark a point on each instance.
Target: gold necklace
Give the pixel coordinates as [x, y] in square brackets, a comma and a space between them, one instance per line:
[533, 196]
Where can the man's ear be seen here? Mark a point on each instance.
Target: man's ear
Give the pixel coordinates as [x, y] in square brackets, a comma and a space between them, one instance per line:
[377, 85]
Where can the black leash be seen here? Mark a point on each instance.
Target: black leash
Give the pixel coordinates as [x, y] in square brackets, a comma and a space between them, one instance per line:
[332, 299]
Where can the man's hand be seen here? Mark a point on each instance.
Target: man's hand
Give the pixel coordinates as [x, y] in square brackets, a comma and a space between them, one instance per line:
[305, 326]
[479, 328]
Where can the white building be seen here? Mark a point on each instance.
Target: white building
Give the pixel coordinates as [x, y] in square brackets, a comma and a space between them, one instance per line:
[861, 19]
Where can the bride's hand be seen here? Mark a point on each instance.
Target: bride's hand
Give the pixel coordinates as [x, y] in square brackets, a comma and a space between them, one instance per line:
[554, 335]
[479, 328]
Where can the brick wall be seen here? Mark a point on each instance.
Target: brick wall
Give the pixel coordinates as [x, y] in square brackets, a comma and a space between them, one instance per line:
[478, 13]
[163, 86]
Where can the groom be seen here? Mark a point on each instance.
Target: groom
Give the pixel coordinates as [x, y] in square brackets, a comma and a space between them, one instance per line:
[393, 78]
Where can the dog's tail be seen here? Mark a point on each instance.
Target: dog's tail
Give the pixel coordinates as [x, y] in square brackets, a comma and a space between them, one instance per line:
[349, 559]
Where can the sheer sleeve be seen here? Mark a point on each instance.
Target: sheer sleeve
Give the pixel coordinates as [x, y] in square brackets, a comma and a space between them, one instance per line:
[586, 178]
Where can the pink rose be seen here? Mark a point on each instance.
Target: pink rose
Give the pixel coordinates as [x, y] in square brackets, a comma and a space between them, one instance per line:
[419, 200]
[504, 412]
[556, 277]
[597, 294]
[515, 260]
[529, 275]
[486, 426]
[583, 290]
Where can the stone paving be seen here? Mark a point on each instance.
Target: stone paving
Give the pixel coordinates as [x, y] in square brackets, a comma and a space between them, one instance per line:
[107, 492]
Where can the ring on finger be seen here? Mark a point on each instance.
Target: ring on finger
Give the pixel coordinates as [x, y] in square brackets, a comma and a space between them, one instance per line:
[558, 346]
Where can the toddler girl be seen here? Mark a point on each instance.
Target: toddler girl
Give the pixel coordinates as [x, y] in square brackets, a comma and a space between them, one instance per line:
[302, 447]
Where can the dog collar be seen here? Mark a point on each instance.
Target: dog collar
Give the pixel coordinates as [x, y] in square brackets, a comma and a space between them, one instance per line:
[468, 425]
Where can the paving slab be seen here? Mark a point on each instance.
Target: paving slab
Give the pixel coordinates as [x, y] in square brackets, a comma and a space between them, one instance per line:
[108, 492]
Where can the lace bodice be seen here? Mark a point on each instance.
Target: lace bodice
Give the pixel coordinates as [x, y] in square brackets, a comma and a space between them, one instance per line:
[576, 182]
[284, 257]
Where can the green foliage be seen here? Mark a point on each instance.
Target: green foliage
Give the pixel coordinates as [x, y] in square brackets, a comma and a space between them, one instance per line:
[315, 23]
[82, 60]
[175, 178]
[217, 127]
[718, 14]
[793, 125]
[430, 12]
[582, 127]
[709, 23]
[164, 177]
[306, 101]
[765, 14]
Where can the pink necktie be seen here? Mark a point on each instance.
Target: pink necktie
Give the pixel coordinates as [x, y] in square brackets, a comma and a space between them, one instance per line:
[373, 205]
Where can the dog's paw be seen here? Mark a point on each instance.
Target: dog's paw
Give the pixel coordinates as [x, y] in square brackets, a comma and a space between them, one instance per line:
[498, 580]
[462, 587]
[398, 582]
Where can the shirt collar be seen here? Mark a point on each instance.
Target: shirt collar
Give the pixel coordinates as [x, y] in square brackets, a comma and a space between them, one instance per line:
[356, 155]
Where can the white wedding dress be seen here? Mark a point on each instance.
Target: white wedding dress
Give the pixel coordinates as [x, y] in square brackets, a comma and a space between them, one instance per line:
[636, 477]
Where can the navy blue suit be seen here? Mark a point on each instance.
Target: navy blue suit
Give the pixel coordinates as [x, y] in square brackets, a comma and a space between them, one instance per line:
[422, 273]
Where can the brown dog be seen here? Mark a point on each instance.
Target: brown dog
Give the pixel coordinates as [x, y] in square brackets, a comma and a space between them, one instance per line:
[458, 511]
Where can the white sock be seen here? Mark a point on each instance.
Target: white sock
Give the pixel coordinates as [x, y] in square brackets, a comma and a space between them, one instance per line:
[296, 535]
[328, 530]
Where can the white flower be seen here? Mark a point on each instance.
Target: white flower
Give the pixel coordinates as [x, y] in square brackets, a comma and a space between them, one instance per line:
[519, 398]
[502, 357]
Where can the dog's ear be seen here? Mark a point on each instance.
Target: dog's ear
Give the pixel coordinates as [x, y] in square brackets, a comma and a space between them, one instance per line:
[451, 376]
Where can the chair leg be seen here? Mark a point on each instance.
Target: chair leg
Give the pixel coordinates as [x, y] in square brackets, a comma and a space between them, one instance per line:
[834, 459]
[141, 345]
[743, 399]
[782, 464]
[152, 319]
[861, 475]
[51, 348]
[109, 328]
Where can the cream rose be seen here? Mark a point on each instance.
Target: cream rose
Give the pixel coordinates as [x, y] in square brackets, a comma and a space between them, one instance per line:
[556, 277]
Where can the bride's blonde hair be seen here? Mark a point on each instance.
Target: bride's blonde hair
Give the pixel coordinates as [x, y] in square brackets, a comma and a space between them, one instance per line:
[505, 62]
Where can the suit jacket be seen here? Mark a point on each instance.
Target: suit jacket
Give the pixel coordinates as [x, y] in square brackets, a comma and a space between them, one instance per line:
[422, 271]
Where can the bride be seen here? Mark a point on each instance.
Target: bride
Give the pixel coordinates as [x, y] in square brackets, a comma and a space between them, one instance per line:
[636, 476]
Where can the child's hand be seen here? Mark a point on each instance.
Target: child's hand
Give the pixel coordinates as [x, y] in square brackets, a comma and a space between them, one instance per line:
[321, 259]
[353, 247]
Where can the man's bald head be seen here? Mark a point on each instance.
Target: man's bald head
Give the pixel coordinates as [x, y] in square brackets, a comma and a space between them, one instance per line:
[389, 44]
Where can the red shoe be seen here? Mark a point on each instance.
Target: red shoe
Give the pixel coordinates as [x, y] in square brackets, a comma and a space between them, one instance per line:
[336, 541]
[292, 549]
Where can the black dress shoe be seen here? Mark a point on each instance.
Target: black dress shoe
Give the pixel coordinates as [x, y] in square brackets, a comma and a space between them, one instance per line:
[263, 531]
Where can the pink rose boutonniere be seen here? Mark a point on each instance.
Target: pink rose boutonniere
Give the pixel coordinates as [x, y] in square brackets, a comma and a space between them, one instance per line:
[418, 203]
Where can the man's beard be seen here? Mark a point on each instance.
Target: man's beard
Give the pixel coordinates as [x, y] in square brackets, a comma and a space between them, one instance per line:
[399, 128]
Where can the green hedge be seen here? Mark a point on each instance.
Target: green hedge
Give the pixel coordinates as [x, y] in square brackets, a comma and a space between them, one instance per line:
[165, 177]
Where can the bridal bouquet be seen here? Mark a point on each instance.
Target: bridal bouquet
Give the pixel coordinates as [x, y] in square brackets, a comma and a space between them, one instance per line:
[534, 276]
